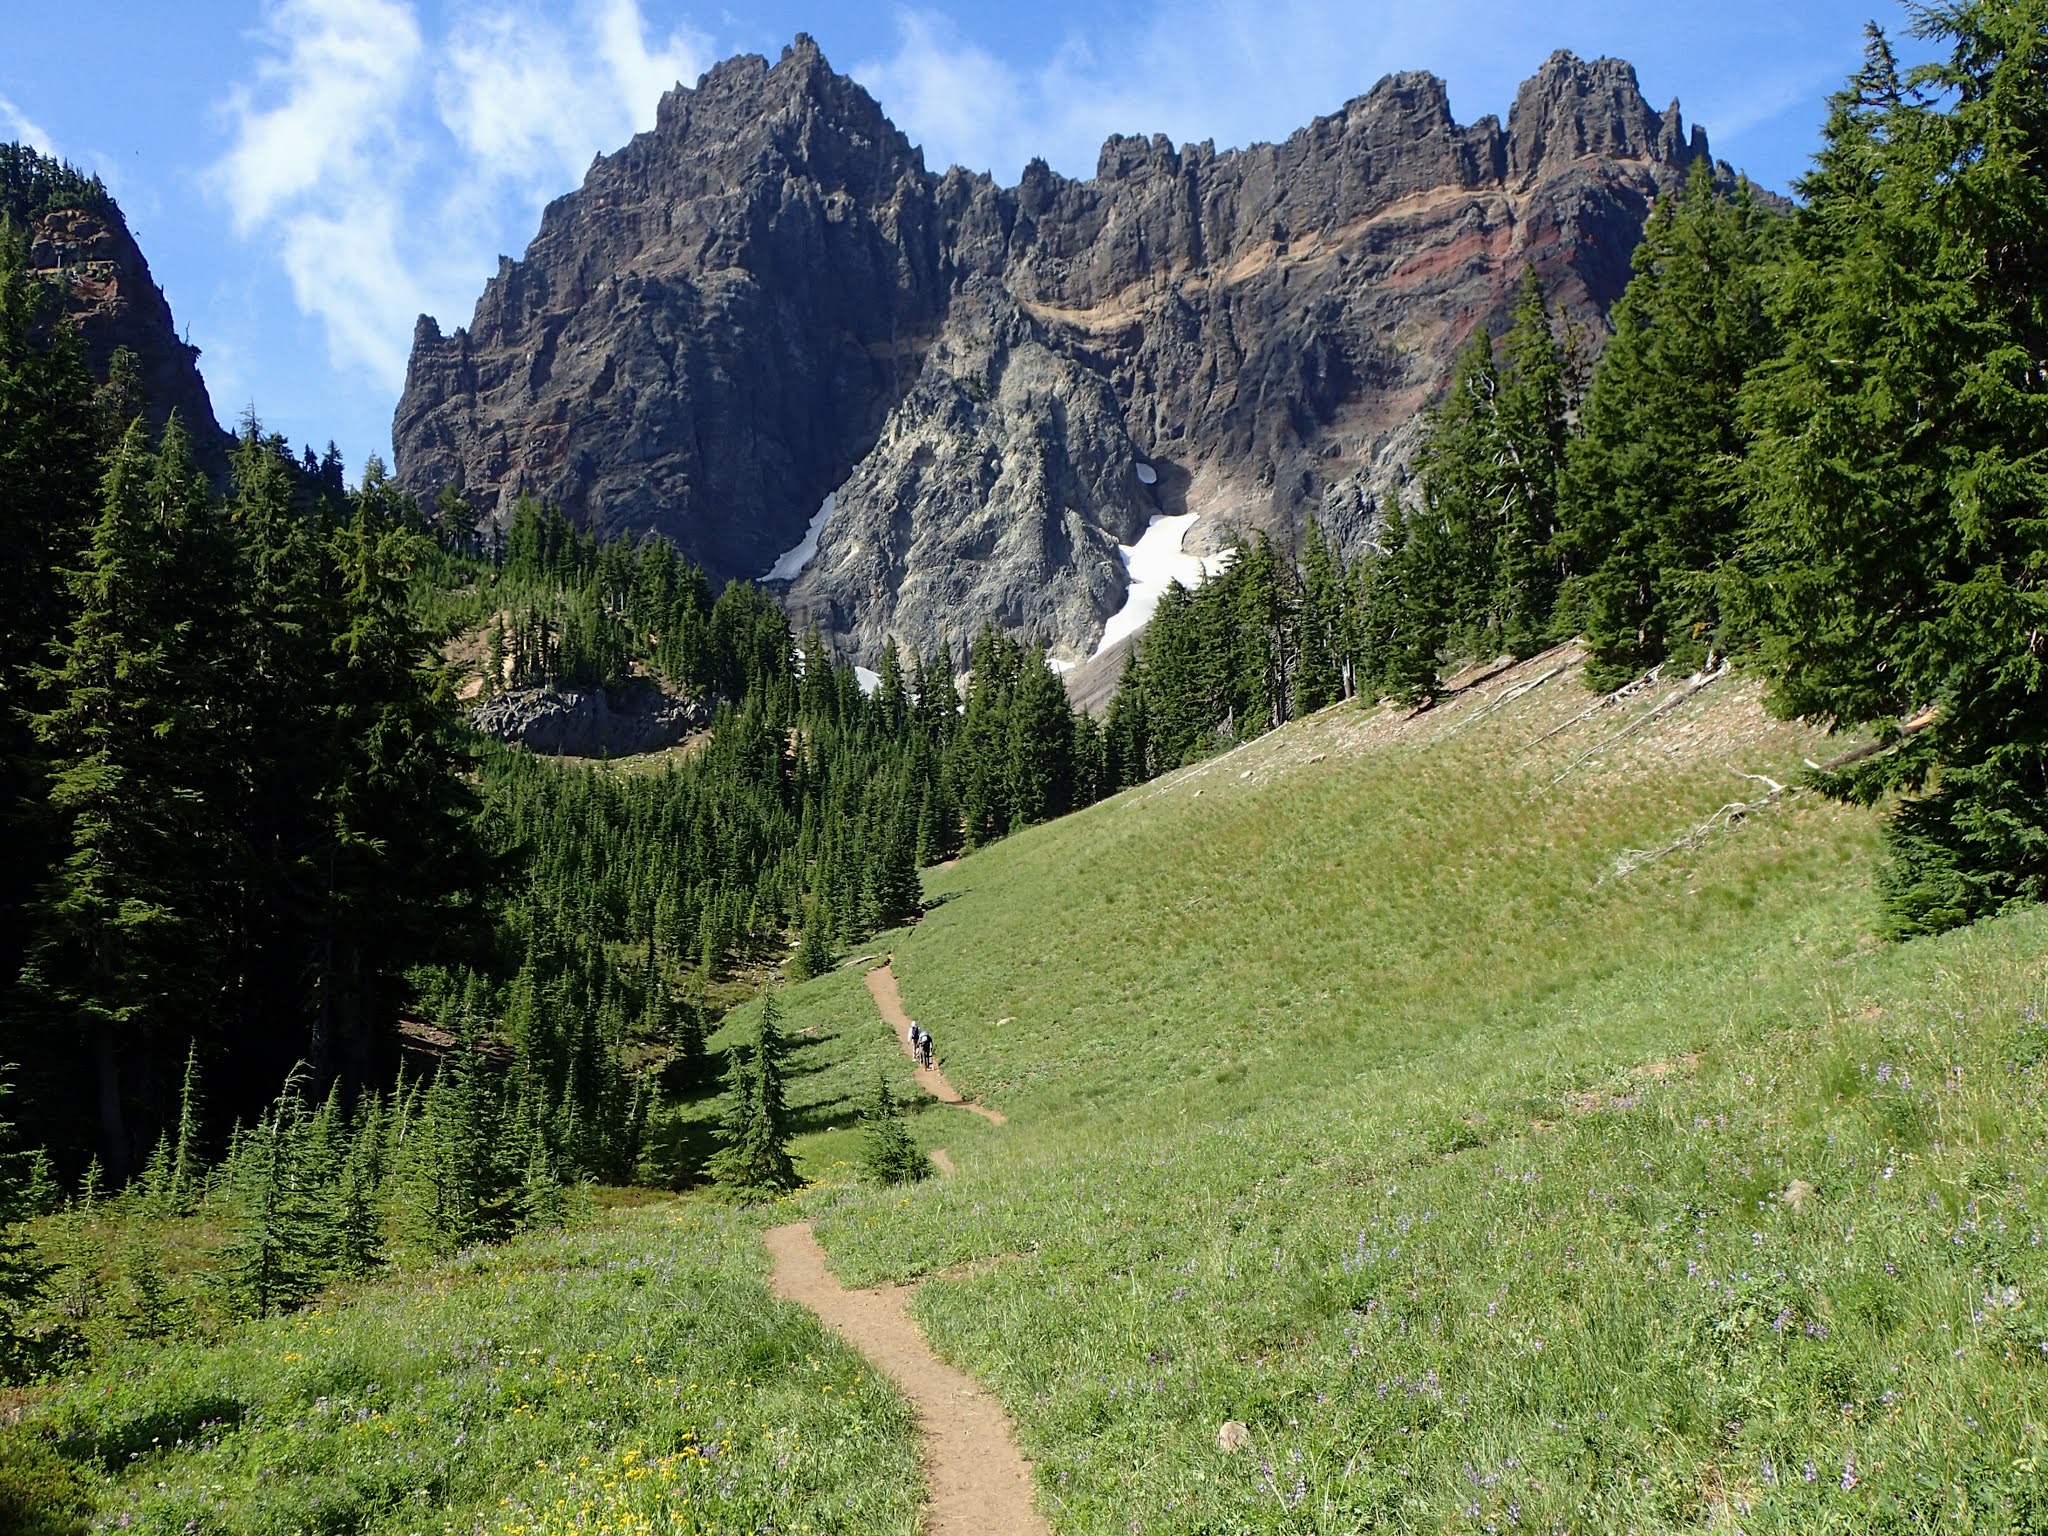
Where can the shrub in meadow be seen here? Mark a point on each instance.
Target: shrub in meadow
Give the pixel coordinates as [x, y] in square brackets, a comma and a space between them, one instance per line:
[888, 1155]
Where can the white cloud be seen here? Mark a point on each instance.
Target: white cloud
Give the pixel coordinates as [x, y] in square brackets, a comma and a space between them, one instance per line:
[964, 105]
[15, 124]
[642, 73]
[386, 161]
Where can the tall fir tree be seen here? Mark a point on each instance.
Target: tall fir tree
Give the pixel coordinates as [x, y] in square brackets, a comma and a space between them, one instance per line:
[753, 1162]
[1897, 562]
[1323, 674]
[1530, 427]
[1456, 526]
[123, 948]
[1656, 492]
[49, 477]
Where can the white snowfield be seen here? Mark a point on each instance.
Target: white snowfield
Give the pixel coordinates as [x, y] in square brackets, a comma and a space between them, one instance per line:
[868, 678]
[791, 564]
[1154, 562]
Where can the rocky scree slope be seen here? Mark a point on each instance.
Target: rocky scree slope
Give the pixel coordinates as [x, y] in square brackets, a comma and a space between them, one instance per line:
[768, 299]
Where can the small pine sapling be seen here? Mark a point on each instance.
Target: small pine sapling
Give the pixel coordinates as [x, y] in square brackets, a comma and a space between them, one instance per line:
[888, 1155]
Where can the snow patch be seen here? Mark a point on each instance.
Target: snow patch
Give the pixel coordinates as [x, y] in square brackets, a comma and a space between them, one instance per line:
[792, 562]
[1061, 668]
[1155, 562]
[869, 680]
[1147, 475]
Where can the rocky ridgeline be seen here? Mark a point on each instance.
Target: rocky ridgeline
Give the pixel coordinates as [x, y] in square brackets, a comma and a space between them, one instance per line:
[768, 299]
[636, 716]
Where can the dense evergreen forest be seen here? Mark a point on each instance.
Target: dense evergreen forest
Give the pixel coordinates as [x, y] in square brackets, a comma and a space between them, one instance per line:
[1816, 446]
[280, 931]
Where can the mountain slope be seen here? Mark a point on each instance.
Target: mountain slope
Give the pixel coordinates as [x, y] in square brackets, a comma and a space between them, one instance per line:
[1354, 1097]
[768, 299]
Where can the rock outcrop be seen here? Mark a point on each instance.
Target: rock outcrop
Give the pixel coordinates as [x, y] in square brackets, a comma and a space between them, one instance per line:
[768, 299]
[109, 293]
[634, 717]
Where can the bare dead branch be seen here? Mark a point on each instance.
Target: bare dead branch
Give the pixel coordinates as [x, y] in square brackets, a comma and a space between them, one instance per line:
[1604, 702]
[1870, 749]
[1691, 686]
[1726, 819]
[1509, 694]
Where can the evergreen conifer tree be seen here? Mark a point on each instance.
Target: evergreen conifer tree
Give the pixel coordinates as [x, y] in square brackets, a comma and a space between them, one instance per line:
[753, 1162]
[119, 944]
[813, 955]
[1531, 431]
[275, 1256]
[1655, 493]
[49, 445]
[888, 1154]
[1897, 560]
[1322, 676]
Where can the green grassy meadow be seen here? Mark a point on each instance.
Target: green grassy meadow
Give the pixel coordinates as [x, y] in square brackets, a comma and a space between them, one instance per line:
[629, 1375]
[1353, 1099]
[1350, 1102]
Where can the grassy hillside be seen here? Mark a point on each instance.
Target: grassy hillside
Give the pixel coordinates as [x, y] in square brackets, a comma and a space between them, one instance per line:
[1352, 1098]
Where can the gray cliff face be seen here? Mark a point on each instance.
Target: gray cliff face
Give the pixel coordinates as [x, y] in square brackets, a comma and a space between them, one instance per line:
[705, 338]
[999, 489]
[768, 299]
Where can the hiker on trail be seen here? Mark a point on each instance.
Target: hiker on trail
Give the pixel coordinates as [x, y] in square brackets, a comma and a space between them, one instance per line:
[924, 1049]
[911, 1035]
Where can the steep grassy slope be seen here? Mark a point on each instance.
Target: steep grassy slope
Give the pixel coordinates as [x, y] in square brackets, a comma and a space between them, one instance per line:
[1352, 1098]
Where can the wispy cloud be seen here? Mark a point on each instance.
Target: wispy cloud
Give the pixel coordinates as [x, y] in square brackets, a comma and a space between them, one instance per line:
[379, 157]
[17, 126]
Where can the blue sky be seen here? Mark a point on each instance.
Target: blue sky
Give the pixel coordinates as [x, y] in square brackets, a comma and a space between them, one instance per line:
[306, 176]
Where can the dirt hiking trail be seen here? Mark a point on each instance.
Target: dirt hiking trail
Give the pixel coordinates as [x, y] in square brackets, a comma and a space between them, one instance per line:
[980, 1484]
[889, 1003]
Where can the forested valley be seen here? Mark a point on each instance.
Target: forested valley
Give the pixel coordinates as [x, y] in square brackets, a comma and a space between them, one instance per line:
[291, 950]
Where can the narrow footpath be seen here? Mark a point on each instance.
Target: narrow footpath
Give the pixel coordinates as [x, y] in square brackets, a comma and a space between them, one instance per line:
[980, 1484]
[889, 1003]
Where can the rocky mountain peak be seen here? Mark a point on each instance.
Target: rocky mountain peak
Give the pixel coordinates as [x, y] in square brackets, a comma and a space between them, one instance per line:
[78, 239]
[768, 301]
[1572, 110]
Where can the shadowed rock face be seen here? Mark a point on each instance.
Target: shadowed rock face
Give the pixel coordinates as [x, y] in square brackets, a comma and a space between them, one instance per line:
[635, 716]
[768, 298]
[115, 302]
